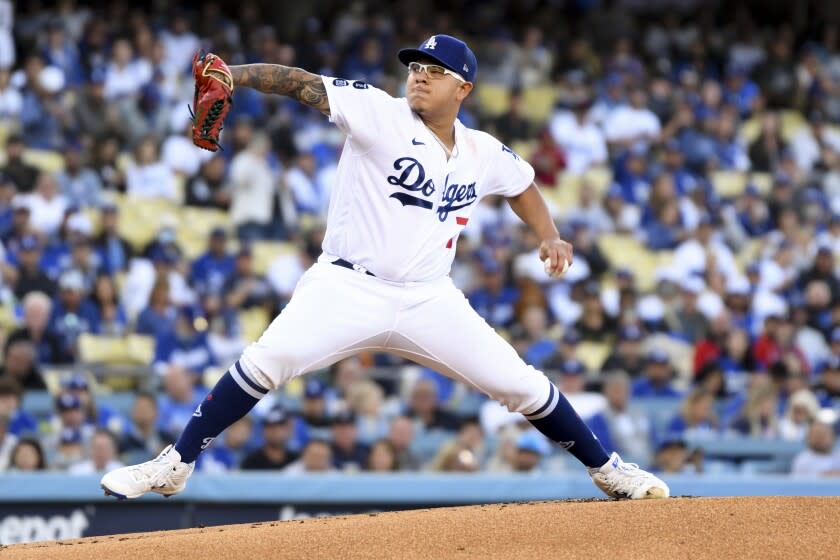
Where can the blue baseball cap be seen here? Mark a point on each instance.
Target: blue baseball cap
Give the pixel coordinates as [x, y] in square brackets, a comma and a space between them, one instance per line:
[631, 332]
[447, 51]
[572, 367]
[315, 389]
[657, 356]
[76, 382]
[68, 401]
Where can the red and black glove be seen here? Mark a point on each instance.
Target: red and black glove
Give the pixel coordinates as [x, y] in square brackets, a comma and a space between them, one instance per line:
[212, 101]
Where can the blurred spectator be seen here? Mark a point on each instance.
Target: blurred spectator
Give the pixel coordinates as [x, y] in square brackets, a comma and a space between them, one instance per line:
[382, 457]
[11, 101]
[239, 438]
[801, 411]
[828, 387]
[79, 184]
[674, 457]
[627, 355]
[766, 150]
[210, 270]
[148, 176]
[513, 126]
[758, 417]
[69, 413]
[401, 438]
[595, 324]
[463, 453]
[103, 455]
[187, 346]
[73, 313]
[93, 114]
[619, 426]
[548, 160]
[493, 299]
[820, 458]
[106, 150]
[687, 321]
[423, 407]
[22, 174]
[656, 378]
[208, 188]
[244, 288]
[179, 401]
[47, 205]
[141, 436]
[308, 195]
[315, 458]
[313, 406]
[8, 441]
[70, 450]
[696, 418]
[366, 399]
[114, 251]
[30, 274]
[21, 423]
[572, 384]
[274, 453]
[44, 114]
[27, 456]
[348, 454]
[252, 186]
[580, 138]
[159, 318]
[20, 363]
[113, 319]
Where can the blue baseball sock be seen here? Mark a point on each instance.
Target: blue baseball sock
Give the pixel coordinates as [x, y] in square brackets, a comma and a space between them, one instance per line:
[561, 424]
[233, 397]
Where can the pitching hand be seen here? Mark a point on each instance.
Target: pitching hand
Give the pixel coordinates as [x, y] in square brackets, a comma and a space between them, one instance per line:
[557, 256]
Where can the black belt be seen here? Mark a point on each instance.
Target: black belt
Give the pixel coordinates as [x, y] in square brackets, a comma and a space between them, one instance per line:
[351, 266]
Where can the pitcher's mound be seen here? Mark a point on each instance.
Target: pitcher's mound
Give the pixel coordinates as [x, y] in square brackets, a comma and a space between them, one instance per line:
[713, 528]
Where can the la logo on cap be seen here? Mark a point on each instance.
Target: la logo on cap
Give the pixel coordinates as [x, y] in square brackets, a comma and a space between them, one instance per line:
[431, 43]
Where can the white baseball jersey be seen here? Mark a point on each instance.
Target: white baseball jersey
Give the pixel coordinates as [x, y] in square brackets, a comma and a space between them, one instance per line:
[398, 205]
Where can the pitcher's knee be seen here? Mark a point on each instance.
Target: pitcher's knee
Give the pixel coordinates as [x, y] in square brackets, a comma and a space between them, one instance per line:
[524, 393]
[277, 365]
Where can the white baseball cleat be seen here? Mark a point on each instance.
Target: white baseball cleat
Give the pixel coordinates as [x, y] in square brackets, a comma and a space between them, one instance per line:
[618, 479]
[165, 474]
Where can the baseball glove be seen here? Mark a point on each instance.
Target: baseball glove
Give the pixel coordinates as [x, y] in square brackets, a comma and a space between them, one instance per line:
[212, 100]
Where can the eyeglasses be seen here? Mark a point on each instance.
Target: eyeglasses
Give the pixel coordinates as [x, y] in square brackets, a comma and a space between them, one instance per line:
[433, 71]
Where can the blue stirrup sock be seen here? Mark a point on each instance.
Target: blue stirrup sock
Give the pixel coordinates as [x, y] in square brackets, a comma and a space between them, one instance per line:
[235, 394]
[559, 422]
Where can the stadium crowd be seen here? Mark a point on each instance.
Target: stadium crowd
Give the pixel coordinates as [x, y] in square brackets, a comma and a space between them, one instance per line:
[735, 333]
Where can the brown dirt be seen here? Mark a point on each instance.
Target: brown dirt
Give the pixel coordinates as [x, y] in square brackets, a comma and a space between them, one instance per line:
[695, 528]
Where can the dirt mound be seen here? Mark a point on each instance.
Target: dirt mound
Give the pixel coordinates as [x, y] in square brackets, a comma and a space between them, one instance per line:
[696, 528]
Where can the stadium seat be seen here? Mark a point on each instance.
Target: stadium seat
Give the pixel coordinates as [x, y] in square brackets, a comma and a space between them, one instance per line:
[763, 182]
[599, 178]
[140, 349]
[99, 349]
[494, 100]
[8, 318]
[792, 122]
[253, 322]
[728, 184]
[524, 148]
[538, 102]
[45, 160]
[265, 252]
[627, 251]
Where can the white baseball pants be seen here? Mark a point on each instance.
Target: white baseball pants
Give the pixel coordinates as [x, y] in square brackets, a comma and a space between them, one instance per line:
[336, 312]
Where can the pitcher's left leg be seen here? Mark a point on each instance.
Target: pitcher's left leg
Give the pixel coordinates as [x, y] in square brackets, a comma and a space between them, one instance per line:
[445, 333]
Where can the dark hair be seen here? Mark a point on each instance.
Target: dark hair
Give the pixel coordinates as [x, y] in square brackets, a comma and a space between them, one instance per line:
[9, 386]
[42, 463]
[146, 395]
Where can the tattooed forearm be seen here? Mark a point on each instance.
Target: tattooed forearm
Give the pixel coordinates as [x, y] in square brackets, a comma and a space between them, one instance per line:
[298, 84]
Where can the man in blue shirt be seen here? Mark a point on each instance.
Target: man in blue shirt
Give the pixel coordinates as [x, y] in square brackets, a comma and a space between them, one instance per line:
[656, 379]
[73, 313]
[210, 270]
[188, 347]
